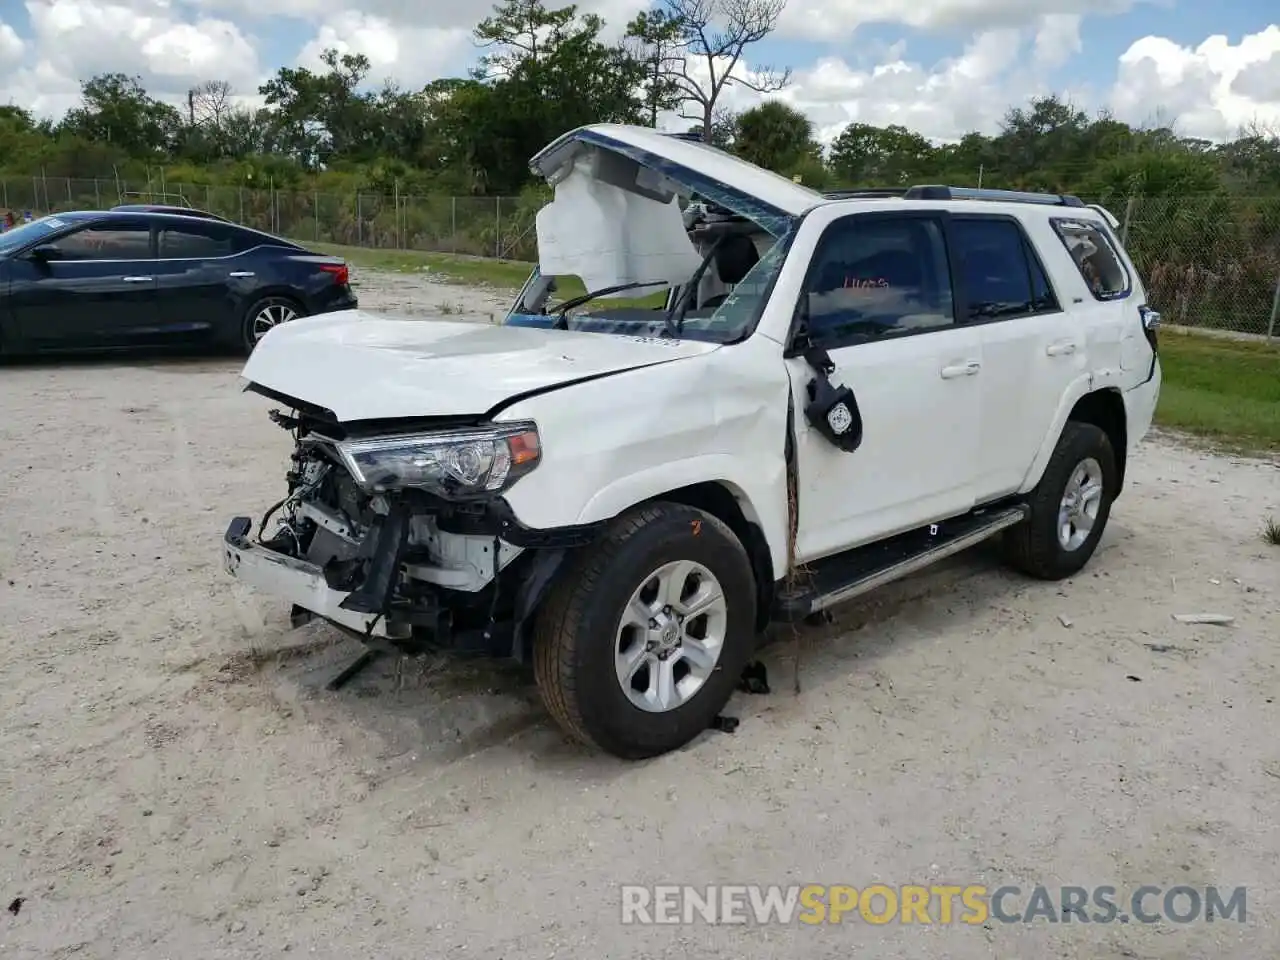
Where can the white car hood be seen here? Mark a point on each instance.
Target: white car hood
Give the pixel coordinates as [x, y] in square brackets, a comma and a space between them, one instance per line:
[361, 366]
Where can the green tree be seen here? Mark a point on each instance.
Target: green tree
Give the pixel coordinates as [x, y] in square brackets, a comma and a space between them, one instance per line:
[655, 41]
[117, 110]
[776, 136]
[864, 155]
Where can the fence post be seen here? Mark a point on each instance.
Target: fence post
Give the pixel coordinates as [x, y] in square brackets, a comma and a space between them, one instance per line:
[97, 194]
[208, 198]
[315, 206]
[1275, 312]
[453, 225]
[70, 199]
[497, 228]
[359, 221]
[1128, 215]
[6, 193]
[240, 192]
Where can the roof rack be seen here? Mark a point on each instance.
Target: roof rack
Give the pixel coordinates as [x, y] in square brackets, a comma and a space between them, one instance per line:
[869, 193]
[939, 192]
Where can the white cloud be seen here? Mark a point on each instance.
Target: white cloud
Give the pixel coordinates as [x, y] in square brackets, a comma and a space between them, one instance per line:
[72, 40]
[1210, 91]
[410, 55]
[11, 45]
[1057, 39]
[943, 101]
[837, 19]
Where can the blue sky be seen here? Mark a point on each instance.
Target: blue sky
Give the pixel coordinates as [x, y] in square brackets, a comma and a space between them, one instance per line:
[957, 64]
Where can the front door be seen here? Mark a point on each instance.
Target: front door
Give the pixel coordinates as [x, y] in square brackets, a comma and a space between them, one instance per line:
[879, 300]
[97, 287]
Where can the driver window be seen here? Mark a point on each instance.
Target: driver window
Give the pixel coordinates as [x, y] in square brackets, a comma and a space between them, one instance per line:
[875, 276]
[107, 242]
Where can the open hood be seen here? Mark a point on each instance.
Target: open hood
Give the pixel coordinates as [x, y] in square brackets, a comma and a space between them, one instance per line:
[361, 366]
[616, 216]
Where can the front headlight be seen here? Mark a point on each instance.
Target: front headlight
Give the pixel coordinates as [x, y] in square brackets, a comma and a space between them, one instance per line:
[451, 463]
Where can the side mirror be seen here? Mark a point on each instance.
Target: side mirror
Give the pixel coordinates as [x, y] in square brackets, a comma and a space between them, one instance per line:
[44, 253]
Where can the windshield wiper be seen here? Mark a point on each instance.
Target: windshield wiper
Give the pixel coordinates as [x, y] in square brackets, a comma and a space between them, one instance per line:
[673, 319]
[568, 305]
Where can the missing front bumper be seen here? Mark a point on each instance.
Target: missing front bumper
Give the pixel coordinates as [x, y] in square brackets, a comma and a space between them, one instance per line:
[297, 582]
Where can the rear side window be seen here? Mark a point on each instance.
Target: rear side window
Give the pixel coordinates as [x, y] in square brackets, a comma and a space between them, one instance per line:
[195, 242]
[1003, 277]
[1095, 258]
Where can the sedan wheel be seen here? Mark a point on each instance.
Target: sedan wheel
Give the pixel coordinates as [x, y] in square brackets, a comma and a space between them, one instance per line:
[264, 316]
[272, 315]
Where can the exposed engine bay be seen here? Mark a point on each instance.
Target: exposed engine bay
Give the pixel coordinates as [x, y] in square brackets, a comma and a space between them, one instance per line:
[439, 574]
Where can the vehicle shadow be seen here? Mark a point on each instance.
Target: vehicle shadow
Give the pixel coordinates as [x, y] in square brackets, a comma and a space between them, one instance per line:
[200, 356]
[418, 715]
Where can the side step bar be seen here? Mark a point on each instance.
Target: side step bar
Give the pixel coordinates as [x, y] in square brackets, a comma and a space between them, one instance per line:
[855, 572]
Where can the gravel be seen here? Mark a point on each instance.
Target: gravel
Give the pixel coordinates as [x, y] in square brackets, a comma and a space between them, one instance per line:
[177, 783]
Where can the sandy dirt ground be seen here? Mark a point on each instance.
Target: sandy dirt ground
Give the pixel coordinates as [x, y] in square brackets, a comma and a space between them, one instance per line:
[176, 782]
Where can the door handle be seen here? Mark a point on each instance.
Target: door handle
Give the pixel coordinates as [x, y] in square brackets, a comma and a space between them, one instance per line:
[137, 279]
[240, 273]
[966, 369]
[1061, 348]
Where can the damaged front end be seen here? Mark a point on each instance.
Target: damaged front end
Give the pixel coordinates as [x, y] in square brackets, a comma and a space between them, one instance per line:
[405, 537]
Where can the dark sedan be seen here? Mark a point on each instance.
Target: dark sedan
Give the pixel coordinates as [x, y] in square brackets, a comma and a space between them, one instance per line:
[115, 279]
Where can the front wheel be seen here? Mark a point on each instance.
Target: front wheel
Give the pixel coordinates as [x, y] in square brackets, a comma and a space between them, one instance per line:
[643, 641]
[263, 317]
[1070, 506]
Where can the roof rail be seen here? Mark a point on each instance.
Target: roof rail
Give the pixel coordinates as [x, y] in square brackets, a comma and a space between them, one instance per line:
[869, 193]
[939, 192]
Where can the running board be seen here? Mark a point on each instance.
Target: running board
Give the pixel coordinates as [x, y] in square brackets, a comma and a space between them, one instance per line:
[855, 572]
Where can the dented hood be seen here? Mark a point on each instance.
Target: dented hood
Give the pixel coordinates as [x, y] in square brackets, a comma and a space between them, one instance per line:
[362, 366]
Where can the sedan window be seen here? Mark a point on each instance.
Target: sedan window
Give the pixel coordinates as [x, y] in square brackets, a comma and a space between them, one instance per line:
[191, 242]
[108, 241]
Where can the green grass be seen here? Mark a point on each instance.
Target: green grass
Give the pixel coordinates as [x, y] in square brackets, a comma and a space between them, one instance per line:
[473, 271]
[1223, 390]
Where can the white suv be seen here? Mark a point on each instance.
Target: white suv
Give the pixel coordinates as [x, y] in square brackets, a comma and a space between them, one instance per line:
[835, 392]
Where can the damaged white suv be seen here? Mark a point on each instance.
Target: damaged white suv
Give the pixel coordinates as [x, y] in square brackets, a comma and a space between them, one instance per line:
[834, 392]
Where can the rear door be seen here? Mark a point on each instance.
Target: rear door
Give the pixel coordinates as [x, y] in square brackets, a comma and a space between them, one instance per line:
[197, 275]
[1032, 349]
[98, 289]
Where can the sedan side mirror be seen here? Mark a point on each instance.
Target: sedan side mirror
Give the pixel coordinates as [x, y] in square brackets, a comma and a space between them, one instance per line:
[44, 253]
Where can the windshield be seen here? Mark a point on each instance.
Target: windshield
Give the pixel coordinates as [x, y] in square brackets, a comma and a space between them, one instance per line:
[720, 300]
[19, 237]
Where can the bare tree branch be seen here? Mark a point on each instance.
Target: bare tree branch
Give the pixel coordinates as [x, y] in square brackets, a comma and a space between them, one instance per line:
[715, 34]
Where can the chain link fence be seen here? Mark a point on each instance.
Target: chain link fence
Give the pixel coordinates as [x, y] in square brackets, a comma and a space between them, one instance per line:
[1209, 262]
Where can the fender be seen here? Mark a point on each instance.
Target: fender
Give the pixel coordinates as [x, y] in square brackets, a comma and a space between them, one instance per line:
[758, 486]
[1082, 386]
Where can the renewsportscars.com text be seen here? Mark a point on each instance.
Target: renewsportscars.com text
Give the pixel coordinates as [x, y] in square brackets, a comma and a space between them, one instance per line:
[970, 904]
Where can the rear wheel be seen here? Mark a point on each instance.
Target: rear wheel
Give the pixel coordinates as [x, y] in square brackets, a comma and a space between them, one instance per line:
[643, 641]
[1069, 507]
[264, 316]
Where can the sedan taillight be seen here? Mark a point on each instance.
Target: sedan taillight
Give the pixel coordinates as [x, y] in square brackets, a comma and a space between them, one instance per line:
[341, 276]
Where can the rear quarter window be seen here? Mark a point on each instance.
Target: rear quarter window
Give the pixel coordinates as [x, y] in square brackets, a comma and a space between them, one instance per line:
[1095, 257]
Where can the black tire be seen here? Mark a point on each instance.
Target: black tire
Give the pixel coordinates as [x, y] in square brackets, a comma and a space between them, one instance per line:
[1033, 546]
[248, 324]
[577, 630]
